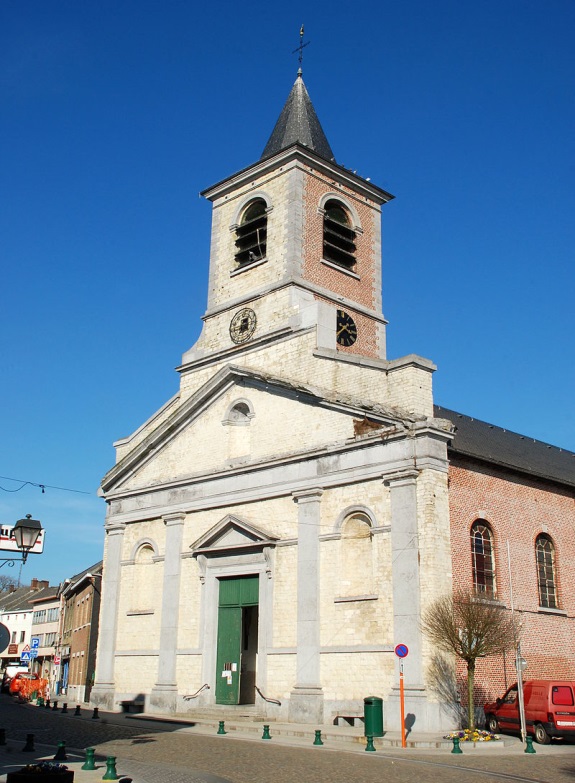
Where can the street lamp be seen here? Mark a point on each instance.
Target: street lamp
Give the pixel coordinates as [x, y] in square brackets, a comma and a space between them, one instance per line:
[26, 533]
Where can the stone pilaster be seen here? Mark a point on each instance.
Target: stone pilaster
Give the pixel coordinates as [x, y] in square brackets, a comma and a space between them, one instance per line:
[306, 698]
[103, 691]
[406, 595]
[164, 692]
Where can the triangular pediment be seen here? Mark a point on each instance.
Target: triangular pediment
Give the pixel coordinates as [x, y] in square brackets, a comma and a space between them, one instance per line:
[190, 439]
[232, 534]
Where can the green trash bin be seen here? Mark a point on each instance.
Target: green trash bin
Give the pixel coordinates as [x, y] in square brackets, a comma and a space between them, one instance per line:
[373, 716]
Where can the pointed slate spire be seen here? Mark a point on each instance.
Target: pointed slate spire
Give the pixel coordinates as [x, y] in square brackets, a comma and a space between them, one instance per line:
[298, 122]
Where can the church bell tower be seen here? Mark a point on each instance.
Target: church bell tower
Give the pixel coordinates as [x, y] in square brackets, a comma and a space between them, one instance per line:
[295, 255]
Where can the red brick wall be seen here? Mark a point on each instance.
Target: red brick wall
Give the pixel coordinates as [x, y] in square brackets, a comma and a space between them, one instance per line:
[518, 509]
[363, 291]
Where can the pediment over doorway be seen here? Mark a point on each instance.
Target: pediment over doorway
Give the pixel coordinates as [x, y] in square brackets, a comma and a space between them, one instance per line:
[232, 534]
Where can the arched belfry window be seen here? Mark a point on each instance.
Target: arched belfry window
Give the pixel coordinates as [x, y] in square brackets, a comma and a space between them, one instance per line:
[251, 233]
[546, 576]
[338, 235]
[483, 561]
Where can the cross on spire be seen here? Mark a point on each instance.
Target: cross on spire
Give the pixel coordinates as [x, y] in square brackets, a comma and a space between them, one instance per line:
[300, 48]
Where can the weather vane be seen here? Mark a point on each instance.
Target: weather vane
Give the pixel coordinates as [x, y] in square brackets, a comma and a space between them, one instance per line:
[301, 47]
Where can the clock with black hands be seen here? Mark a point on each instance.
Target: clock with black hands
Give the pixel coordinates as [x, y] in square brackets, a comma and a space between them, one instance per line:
[346, 330]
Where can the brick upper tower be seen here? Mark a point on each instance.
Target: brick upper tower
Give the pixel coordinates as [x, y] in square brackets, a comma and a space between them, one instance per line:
[295, 246]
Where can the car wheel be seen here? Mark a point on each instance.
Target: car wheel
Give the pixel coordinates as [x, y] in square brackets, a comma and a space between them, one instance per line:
[492, 724]
[541, 735]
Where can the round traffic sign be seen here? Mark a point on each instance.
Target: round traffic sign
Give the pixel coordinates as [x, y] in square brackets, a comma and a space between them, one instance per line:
[401, 650]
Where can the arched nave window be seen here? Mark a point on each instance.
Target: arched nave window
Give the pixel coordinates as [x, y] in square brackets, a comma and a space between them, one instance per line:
[546, 574]
[483, 561]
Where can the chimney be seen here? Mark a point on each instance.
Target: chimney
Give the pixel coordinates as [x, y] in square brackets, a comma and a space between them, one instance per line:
[43, 583]
[11, 588]
[34, 584]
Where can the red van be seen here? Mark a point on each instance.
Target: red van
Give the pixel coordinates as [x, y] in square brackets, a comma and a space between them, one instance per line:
[549, 710]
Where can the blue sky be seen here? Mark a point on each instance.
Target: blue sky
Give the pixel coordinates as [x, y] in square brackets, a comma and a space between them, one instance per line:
[115, 115]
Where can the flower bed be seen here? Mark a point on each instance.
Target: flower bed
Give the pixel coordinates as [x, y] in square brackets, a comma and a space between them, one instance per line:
[42, 772]
[477, 735]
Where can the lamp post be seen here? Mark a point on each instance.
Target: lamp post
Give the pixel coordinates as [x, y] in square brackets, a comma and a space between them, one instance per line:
[26, 532]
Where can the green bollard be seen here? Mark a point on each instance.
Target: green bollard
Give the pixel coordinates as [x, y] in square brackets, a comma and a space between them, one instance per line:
[40, 701]
[221, 729]
[77, 711]
[55, 705]
[456, 748]
[61, 752]
[111, 773]
[266, 734]
[29, 746]
[2, 736]
[89, 763]
[370, 745]
[317, 740]
[65, 707]
[96, 716]
[529, 743]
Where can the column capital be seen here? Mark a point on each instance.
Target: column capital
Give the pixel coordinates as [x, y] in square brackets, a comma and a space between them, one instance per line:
[401, 478]
[113, 528]
[307, 495]
[177, 518]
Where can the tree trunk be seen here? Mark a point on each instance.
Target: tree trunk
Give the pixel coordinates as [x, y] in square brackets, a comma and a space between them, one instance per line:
[470, 700]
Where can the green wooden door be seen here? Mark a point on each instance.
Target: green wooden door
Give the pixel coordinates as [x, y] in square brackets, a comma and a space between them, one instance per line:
[234, 595]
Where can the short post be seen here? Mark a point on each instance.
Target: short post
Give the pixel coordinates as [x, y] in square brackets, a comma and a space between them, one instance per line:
[2, 736]
[456, 748]
[61, 752]
[529, 744]
[266, 734]
[95, 716]
[317, 740]
[55, 705]
[47, 704]
[110, 773]
[40, 701]
[370, 746]
[77, 711]
[65, 707]
[29, 746]
[221, 729]
[89, 763]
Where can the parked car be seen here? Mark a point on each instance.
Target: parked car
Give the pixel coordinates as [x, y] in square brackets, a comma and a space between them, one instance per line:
[549, 710]
[16, 683]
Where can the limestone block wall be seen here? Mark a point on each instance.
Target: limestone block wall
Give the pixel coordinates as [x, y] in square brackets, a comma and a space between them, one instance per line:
[135, 674]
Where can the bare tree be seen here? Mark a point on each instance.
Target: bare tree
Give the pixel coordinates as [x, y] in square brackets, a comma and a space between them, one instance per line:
[471, 628]
[5, 581]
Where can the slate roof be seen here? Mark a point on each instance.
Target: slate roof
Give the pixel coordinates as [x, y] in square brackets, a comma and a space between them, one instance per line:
[298, 123]
[21, 599]
[488, 443]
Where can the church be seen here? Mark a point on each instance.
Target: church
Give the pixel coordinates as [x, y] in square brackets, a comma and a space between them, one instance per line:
[279, 526]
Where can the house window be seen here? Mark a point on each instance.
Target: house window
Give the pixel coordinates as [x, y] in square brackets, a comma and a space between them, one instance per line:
[482, 558]
[546, 578]
[338, 235]
[251, 234]
[22, 636]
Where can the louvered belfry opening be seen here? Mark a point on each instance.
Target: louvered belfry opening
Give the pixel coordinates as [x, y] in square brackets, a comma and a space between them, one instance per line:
[251, 234]
[338, 236]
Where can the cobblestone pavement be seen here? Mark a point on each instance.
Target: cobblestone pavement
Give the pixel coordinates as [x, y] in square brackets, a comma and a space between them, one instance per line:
[160, 753]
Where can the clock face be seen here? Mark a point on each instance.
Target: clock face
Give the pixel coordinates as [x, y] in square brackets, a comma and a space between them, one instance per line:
[346, 330]
[243, 325]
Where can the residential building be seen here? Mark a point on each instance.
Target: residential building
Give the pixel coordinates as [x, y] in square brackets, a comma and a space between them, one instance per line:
[80, 608]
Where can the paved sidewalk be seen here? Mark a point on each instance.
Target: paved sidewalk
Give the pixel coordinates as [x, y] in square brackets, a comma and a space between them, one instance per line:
[149, 750]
